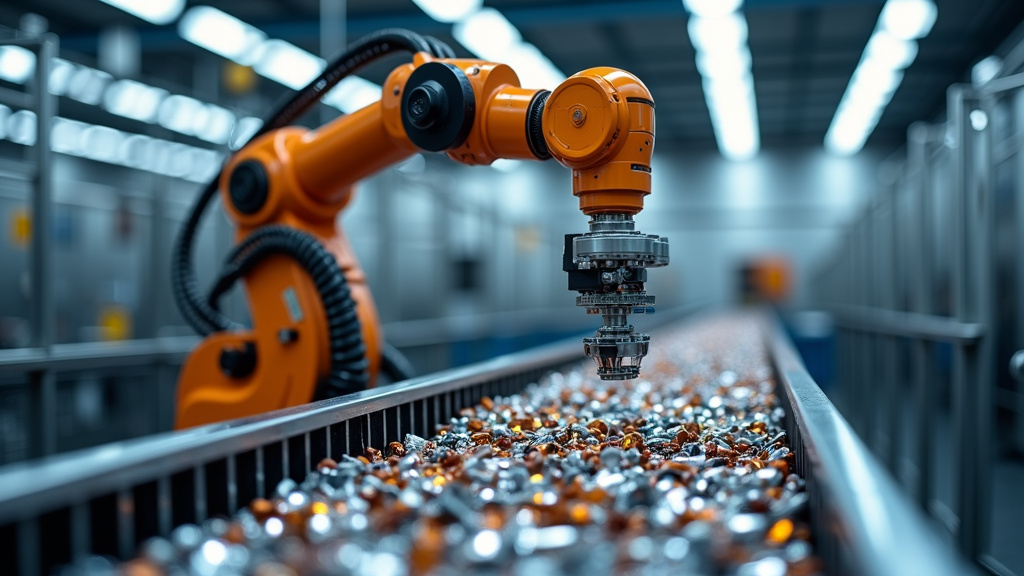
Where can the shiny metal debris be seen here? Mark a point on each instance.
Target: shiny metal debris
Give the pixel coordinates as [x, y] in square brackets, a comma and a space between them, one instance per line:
[684, 471]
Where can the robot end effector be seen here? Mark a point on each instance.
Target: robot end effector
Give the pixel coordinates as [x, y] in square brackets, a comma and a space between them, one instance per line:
[600, 124]
[608, 264]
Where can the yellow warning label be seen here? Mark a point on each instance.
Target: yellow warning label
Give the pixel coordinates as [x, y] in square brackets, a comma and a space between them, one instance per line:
[21, 228]
[115, 322]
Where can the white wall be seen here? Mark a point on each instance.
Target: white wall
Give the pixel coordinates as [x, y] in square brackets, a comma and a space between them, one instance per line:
[715, 213]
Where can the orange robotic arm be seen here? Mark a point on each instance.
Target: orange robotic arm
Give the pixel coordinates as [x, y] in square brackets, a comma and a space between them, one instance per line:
[599, 123]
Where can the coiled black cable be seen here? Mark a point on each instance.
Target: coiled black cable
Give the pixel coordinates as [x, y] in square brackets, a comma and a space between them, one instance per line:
[348, 361]
[347, 350]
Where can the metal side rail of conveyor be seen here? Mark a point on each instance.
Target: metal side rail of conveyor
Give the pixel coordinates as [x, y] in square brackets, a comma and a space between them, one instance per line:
[108, 500]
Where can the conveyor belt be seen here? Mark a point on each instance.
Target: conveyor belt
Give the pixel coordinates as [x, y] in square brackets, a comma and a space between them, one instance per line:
[107, 500]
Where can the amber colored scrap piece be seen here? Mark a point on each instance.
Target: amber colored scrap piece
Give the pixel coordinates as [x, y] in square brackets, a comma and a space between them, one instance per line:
[780, 532]
[633, 440]
[396, 449]
[261, 508]
[141, 567]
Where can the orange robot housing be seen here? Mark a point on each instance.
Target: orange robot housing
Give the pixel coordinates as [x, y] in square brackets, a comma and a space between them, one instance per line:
[599, 123]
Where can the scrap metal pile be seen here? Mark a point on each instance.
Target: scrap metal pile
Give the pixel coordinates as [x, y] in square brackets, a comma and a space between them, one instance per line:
[685, 470]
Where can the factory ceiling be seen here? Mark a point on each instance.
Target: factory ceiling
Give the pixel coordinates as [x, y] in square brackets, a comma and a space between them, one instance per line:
[803, 51]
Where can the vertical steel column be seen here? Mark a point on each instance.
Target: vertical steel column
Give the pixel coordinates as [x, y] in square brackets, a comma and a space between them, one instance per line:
[875, 372]
[863, 374]
[920, 268]
[972, 284]
[888, 356]
[1018, 115]
[43, 382]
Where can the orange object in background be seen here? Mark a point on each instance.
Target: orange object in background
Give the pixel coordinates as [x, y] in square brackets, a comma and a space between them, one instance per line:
[765, 279]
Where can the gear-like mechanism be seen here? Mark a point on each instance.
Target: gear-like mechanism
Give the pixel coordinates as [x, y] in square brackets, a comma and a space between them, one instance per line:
[608, 267]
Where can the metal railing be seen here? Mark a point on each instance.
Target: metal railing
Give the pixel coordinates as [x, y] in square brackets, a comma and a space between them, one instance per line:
[916, 290]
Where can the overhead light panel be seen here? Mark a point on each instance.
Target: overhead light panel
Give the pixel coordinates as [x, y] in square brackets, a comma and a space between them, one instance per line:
[488, 34]
[105, 144]
[449, 10]
[709, 8]
[16, 64]
[133, 100]
[887, 50]
[718, 32]
[222, 33]
[891, 49]
[534, 69]
[158, 12]
[908, 19]
[708, 34]
[280, 61]
[288, 64]
[353, 93]
[243, 130]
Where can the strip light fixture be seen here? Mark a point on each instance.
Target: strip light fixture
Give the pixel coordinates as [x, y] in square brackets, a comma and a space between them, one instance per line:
[718, 32]
[280, 61]
[488, 34]
[158, 12]
[128, 98]
[449, 10]
[111, 146]
[890, 50]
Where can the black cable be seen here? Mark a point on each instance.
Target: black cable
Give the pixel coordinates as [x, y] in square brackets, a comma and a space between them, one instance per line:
[439, 48]
[347, 351]
[395, 364]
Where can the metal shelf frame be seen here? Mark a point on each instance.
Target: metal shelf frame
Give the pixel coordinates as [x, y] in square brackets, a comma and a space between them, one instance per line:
[916, 277]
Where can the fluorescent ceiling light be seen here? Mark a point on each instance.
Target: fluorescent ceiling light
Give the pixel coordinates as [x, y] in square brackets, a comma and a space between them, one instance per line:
[449, 10]
[353, 93]
[278, 60]
[105, 144]
[288, 64]
[156, 11]
[876, 77]
[908, 19]
[21, 127]
[217, 128]
[222, 34]
[87, 85]
[16, 64]
[60, 76]
[243, 131]
[724, 63]
[884, 49]
[889, 51]
[727, 32]
[719, 36]
[133, 99]
[181, 113]
[712, 7]
[534, 69]
[488, 34]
